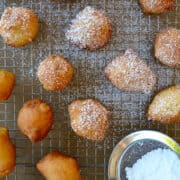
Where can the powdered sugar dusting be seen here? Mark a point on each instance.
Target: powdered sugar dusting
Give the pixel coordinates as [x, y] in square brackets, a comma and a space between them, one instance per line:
[14, 17]
[55, 72]
[18, 26]
[166, 105]
[156, 6]
[130, 73]
[160, 3]
[91, 121]
[167, 47]
[91, 29]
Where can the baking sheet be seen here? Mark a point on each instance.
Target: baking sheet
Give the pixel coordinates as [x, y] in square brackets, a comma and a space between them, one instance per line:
[131, 28]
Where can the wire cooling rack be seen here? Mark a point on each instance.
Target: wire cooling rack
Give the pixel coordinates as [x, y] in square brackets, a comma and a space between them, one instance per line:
[131, 28]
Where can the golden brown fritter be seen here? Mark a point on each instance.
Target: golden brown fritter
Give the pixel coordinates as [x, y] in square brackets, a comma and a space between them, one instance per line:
[167, 47]
[91, 29]
[57, 166]
[7, 153]
[7, 81]
[35, 119]
[165, 106]
[156, 6]
[18, 26]
[129, 73]
[89, 119]
[55, 73]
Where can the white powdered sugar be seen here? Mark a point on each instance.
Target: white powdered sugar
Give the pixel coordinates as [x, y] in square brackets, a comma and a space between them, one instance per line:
[91, 29]
[92, 119]
[159, 164]
[129, 73]
[167, 47]
[13, 17]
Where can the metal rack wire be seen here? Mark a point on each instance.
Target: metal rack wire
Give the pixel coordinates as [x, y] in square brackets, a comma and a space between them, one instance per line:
[131, 28]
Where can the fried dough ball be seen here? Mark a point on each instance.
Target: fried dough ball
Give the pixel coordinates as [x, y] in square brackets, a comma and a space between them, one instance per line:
[7, 153]
[18, 26]
[129, 73]
[55, 73]
[165, 107]
[167, 47]
[7, 81]
[91, 29]
[156, 6]
[89, 119]
[35, 119]
[57, 166]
